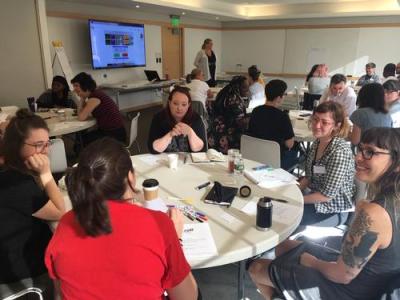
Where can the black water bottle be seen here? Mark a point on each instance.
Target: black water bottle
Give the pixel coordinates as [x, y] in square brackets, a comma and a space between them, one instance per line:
[264, 214]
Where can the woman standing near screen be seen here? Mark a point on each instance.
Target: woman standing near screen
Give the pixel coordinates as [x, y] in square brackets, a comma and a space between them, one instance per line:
[98, 104]
[206, 61]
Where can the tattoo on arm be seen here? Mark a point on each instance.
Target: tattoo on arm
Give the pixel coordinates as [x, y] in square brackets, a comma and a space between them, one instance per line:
[357, 245]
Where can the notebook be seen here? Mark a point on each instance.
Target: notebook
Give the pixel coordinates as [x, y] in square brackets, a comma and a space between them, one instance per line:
[221, 195]
[210, 155]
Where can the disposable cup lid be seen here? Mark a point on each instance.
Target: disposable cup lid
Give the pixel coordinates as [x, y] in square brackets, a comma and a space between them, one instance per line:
[149, 183]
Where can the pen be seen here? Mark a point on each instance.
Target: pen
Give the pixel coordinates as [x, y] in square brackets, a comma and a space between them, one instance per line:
[280, 200]
[202, 185]
[262, 167]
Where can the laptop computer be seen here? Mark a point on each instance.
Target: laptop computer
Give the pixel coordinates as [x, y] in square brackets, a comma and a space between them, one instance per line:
[152, 75]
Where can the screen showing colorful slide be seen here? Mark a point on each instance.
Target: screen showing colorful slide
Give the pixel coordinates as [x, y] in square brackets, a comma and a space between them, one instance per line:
[117, 45]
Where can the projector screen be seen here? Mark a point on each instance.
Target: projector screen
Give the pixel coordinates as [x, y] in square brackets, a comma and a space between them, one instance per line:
[117, 45]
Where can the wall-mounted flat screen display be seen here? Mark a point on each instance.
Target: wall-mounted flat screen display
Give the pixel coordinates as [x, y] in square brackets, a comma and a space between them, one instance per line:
[117, 45]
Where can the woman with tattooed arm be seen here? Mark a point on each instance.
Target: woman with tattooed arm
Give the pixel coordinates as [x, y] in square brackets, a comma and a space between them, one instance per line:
[370, 254]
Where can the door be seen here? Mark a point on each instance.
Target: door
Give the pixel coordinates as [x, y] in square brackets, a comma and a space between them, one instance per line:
[172, 52]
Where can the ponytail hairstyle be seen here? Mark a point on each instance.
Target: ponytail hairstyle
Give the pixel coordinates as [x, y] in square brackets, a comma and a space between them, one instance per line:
[231, 89]
[193, 75]
[17, 132]
[205, 43]
[101, 175]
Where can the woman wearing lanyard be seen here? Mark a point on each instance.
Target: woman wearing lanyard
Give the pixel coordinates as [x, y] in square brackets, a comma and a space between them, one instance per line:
[328, 185]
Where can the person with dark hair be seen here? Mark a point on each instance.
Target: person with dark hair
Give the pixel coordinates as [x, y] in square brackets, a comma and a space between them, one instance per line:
[311, 73]
[398, 70]
[28, 196]
[108, 247]
[206, 61]
[177, 128]
[339, 92]
[199, 90]
[228, 115]
[369, 258]
[392, 100]
[389, 72]
[328, 185]
[98, 104]
[268, 122]
[371, 111]
[370, 75]
[58, 96]
[256, 86]
[319, 81]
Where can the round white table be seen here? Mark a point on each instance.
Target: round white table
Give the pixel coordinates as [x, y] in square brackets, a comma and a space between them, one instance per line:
[71, 124]
[234, 232]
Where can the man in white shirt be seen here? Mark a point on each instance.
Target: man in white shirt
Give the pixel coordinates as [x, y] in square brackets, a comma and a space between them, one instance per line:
[392, 99]
[339, 92]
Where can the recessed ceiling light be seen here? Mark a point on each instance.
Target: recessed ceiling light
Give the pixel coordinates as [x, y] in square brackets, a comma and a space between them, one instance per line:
[137, 6]
[183, 13]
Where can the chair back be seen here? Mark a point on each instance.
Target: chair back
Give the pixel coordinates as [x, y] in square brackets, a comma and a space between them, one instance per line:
[262, 151]
[134, 130]
[30, 290]
[57, 156]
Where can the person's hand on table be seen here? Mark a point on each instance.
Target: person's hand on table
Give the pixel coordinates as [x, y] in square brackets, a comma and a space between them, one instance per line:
[177, 218]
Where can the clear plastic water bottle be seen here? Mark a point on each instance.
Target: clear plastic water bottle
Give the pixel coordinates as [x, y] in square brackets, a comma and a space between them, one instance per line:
[239, 165]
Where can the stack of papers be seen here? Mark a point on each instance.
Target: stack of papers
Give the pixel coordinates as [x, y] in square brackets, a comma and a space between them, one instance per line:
[198, 242]
[269, 178]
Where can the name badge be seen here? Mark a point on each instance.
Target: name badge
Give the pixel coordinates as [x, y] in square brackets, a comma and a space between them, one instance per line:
[319, 170]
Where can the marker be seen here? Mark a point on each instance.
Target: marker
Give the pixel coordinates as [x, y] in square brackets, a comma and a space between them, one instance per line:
[280, 200]
[202, 185]
[184, 160]
[262, 167]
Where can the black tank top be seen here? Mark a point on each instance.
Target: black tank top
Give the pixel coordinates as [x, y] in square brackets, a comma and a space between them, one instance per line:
[387, 260]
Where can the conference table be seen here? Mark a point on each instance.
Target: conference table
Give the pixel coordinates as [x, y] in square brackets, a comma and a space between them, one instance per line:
[66, 123]
[233, 230]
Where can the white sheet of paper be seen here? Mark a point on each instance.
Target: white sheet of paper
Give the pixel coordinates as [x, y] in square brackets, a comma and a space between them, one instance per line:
[151, 160]
[198, 242]
[270, 178]
[281, 212]
[227, 217]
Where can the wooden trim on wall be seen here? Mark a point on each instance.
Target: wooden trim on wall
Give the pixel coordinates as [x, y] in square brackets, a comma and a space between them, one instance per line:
[284, 75]
[78, 16]
[312, 26]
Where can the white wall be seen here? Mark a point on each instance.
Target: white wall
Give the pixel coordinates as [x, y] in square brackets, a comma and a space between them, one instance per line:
[193, 40]
[345, 50]
[21, 66]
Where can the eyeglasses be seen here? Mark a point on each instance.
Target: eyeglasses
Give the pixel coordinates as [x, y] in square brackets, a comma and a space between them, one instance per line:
[40, 146]
[368, 153]
[316, 120]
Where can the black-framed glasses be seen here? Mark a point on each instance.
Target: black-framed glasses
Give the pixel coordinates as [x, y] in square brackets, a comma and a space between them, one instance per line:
[368, 153]
[40, 146]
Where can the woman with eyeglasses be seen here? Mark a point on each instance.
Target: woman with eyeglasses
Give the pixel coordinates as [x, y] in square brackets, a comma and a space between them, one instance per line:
[177, 128]
[28, 196]
[369, 260]
[109, 248]
[328, 185]
[371, 111]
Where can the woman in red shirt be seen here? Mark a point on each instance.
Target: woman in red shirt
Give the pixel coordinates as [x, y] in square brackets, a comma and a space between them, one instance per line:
[108, 248]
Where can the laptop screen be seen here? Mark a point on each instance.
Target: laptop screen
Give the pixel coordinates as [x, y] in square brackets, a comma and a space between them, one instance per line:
[151, 75]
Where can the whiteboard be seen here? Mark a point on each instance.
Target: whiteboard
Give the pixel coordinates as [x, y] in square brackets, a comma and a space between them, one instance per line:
[265, 48]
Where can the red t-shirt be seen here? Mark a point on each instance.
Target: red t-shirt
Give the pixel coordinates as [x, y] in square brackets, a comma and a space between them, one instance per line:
[139, 260]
